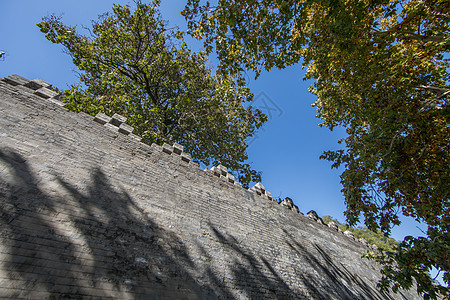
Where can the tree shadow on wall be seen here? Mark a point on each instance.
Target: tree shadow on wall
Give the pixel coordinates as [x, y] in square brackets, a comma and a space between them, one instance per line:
[334, 280]
[253, 276]
[96, 244]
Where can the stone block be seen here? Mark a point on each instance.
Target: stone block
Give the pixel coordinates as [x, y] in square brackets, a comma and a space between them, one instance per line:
[57, 102]
[111, 127]
[258, 192]
[261, 187]
[185, 157]
[209, 171]
[36, 84]
[144, 148]
[349, 234]
[333, 225]
[364, 242]
[102, 118]
[15, 80]
[45, 93]
[137, 138]
[158, 148]
[166, 148]
[117, 120]
[125, 129]
[216, 171]
[237, 183]
[24, 89]
[177, 148]
[312, 215]
[230, 177]
[223, 170]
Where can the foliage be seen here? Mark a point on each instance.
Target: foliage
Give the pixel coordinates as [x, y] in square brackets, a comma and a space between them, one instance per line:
[377, 238]
[380, 71]
[131, 64]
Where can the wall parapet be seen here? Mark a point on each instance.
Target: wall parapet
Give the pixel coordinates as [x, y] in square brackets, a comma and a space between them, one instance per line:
[117, 123]
[87, 210]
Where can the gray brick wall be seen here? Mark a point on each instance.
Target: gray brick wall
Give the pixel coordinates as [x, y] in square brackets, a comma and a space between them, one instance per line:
[89, 212]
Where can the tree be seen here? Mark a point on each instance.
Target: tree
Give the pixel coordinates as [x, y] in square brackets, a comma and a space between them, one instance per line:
[131, 64]
[380, 71]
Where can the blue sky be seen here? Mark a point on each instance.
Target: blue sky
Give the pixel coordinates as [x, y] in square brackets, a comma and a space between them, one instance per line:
[286, 150]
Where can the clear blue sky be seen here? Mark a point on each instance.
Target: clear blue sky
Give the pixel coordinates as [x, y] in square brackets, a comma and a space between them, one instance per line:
[287, 150]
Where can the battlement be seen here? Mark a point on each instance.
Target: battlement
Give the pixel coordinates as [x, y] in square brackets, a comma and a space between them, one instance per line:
[88, 210]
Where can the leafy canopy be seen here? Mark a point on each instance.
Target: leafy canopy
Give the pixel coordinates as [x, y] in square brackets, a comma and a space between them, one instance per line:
[381, 71]
[131, 64]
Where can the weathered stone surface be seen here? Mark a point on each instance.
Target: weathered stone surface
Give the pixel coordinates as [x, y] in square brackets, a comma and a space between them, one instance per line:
[111, 127]
[117, 120]
[185, 157]
[364, 242]
[15, 80]
[102, 118]
[46, 93]
[137, 138]
[215, 171]
[349, 234]
[230, 178]
[312, 215]
[223, 170]
[177, 148]
[36, 84]
[333, 225]
[87, 213]
[166, 148]
[125, 129]
[287, 202]
[260, 187]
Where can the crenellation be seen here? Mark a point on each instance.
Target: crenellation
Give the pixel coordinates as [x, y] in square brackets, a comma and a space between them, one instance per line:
[260, 190]
[36, 84]
[222, 170]
[117, 120]
[333, 225]
[166, 148]
[177, 148]
[288, 203]
[125, 129]
[16, 80]
[185, 157]
[349, 234]
[46, 93]
[91, 213]
[36, 87]
[101, 118]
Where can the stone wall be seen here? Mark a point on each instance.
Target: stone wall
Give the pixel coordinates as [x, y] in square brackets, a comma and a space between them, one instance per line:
[88, 211]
